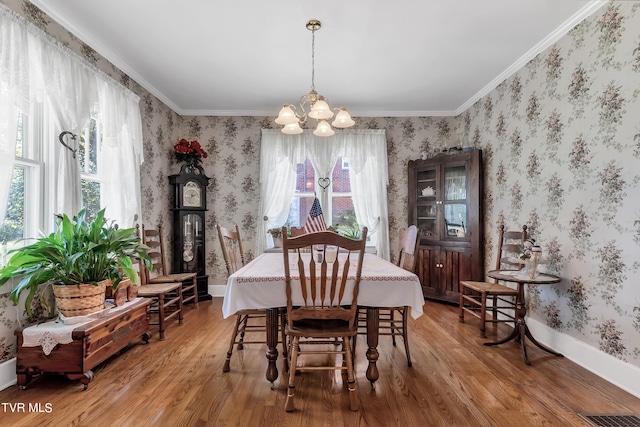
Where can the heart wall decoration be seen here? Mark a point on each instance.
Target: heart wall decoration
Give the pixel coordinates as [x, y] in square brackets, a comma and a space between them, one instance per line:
[324, 183]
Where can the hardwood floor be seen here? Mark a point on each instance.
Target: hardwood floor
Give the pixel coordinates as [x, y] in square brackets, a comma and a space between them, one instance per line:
[454, 381]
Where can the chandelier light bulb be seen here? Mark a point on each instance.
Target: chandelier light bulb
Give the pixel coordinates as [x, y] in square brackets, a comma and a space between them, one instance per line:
[323, 129]
[320, 110]
[343, 119]
[286, 116]
[292, 128]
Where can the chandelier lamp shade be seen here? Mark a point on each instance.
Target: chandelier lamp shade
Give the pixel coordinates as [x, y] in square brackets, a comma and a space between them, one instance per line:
[313, 105]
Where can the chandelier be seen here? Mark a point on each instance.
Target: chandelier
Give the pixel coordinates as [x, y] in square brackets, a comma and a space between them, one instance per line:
[316, 105]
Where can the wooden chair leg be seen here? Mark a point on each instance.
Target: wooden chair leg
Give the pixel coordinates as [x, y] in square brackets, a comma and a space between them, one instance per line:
[285, 350]
[161, 321]
[179, 296]
[226, 367]
[495, 307]
[405, 335]
[461, 315]
[351, 380]
[195, 292]
[243, 327]
[392, 323]
[288, 405]
[483, 314]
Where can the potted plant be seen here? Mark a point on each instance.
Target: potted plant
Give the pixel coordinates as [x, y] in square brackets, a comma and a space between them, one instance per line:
[79, 256]
[276, 233]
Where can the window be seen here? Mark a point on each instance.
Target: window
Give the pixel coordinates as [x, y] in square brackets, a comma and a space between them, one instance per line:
[340, 212]
[304, 194]
[307, 186]
[89, 167]
[26, 215]
[40, 177]
[23, 206]
[289, 183]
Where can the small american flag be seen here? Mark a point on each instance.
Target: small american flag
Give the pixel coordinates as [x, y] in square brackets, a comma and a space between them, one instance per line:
[315, 220]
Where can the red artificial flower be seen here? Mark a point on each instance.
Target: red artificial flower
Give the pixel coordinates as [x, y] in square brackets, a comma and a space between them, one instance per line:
[189, 151]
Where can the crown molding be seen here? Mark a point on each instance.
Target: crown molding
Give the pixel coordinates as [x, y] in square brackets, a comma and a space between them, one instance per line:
[591, 7]
[103, 51]
[552, 38]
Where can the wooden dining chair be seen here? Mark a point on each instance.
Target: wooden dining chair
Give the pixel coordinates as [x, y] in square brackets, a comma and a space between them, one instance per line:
[474, 295]
[297, 231]
[166, 301]
[326, 304]
[159, 272]
[388, 323]
[247, 321]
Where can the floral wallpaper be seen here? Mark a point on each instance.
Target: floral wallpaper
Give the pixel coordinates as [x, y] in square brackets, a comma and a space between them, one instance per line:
[561, 145]
[561, 149]
[233, 164]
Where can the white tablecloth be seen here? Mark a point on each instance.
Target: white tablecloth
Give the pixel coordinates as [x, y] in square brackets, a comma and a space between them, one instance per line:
[260, 284]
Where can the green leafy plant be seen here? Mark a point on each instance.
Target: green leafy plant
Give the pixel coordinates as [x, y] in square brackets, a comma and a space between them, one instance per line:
[347, 225]
[79, 251]
[348, 231]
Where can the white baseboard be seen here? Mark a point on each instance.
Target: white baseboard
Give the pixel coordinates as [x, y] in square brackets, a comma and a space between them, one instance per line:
[8, 373]
[217, 290]
[614, 370]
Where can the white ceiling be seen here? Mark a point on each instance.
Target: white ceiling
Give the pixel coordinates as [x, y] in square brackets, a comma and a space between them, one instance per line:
[376, 57]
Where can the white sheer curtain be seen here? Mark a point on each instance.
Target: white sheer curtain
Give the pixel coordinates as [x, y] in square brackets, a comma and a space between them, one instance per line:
[367, 154]
[369, 176]
[120, 153]
[323, 155]
[279, 155]
[72, 93]
[14, 93]
[35, 67]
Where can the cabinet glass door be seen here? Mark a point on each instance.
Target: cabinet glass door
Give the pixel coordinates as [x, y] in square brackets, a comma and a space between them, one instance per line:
[455, 201]
[426, 203]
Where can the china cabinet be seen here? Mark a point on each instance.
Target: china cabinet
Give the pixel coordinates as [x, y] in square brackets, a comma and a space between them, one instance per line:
[444, 203]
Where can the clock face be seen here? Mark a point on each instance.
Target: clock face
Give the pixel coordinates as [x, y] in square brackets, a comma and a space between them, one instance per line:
[191, 195]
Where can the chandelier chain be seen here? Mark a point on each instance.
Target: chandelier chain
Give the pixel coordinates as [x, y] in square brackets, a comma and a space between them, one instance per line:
[313, 59]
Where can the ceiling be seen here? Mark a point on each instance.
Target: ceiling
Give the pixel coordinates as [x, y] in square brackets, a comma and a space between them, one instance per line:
[378, 58]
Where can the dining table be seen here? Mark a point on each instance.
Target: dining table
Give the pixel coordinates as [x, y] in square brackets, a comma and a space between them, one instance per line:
[260, 284]
[521, 331]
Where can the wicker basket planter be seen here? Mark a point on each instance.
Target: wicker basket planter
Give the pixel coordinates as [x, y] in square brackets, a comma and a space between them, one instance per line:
[80, 300]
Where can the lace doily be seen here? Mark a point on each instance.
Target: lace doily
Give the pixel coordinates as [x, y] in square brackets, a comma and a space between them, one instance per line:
[48, 342]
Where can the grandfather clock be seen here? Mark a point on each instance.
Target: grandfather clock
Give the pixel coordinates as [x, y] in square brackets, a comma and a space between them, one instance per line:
[189, 207]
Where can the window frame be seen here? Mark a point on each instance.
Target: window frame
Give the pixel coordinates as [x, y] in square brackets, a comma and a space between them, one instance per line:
[343, 163]
[31, 164]
[86, 174]
[317, 189]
